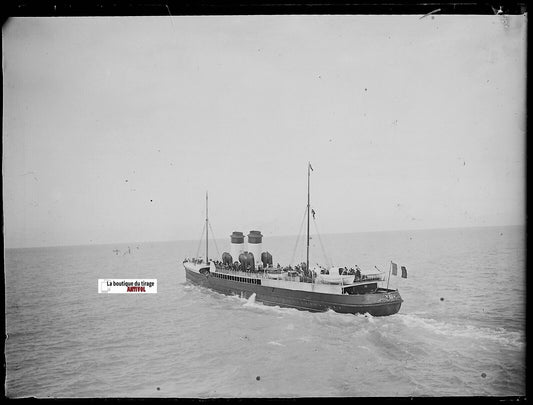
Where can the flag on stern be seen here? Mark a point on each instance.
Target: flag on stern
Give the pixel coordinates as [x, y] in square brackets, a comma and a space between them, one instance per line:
[394, 269]
[404, 272]
[311, 167]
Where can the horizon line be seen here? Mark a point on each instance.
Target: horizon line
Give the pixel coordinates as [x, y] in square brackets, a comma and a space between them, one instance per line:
[285, 235]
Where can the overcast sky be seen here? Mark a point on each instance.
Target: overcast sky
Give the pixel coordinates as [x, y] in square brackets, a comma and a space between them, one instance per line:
[114, 128]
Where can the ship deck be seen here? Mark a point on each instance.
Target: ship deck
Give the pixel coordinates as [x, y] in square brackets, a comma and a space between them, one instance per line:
[291, 283]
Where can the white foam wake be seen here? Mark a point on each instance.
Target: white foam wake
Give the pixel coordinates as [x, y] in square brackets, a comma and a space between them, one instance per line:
[498, 335]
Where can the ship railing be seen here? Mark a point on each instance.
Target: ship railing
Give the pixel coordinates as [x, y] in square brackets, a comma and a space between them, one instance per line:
[256, 274]
[264, 275]
[239, 273]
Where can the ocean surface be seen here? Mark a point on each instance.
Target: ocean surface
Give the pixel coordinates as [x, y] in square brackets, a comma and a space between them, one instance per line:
[460, 330]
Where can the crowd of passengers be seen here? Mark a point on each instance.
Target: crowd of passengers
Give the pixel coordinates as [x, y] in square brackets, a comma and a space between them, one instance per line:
[298, 270]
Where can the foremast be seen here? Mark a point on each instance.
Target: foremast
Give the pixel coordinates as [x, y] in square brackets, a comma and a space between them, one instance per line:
[206, 229]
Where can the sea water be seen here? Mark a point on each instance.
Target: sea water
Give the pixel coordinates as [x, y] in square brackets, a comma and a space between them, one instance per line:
[460, 330]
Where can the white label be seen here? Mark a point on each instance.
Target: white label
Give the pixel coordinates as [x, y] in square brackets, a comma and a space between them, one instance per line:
[127, 286]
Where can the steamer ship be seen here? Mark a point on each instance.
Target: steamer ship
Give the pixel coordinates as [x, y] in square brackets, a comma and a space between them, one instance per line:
[245, 272]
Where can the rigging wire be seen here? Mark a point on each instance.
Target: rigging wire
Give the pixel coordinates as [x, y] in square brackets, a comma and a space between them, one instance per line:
[298, 238]
[200, 243]
[328, 262]
[214, 239]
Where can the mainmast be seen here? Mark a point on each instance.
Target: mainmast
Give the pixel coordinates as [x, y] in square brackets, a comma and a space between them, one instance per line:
[206, 230]
[308, 204]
